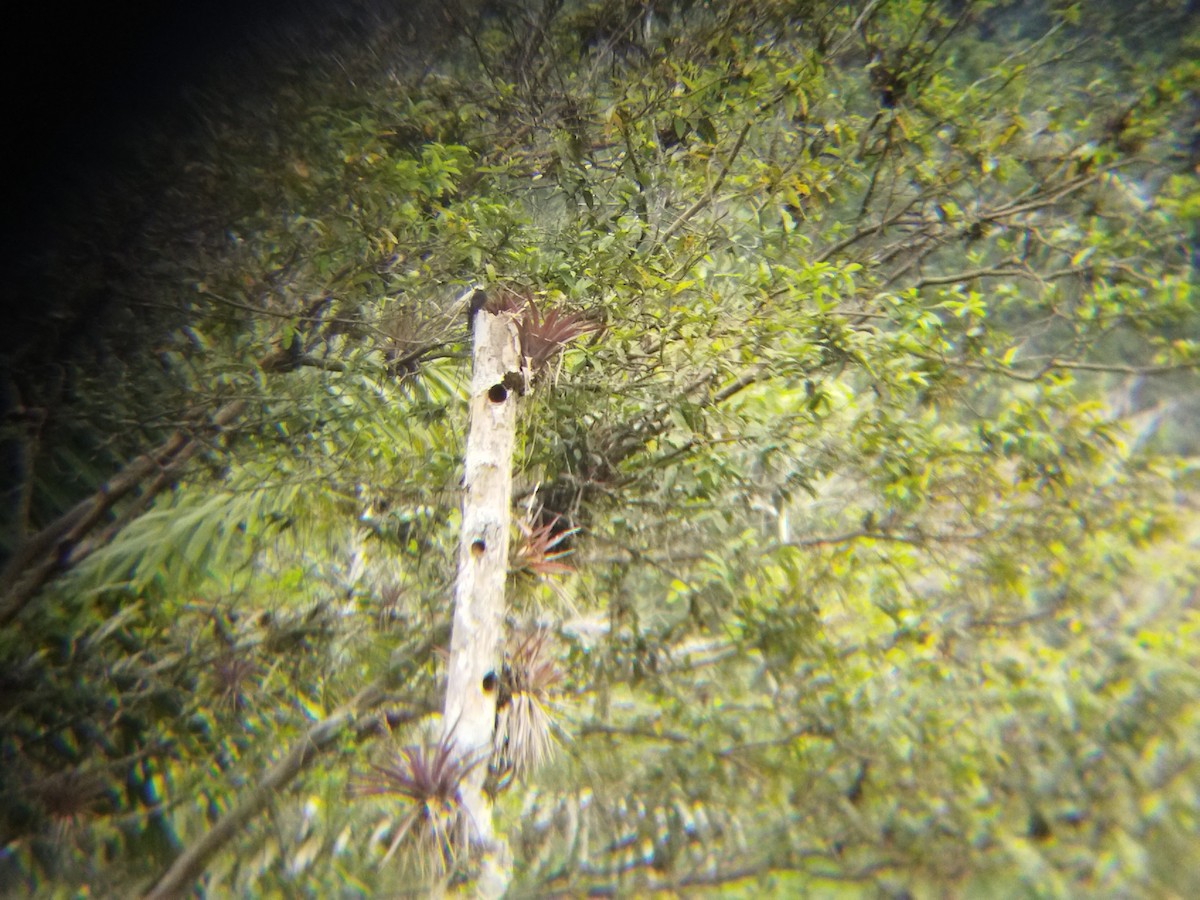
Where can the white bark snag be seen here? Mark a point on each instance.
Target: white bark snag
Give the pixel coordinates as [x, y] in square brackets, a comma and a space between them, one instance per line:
[477, 639]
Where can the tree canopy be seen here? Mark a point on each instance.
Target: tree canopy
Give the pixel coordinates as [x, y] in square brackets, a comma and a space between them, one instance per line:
[856, 491]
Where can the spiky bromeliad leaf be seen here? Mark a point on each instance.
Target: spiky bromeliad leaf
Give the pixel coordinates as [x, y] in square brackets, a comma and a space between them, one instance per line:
[429, 777]
[544, 335]
[525, 727]
[536, 553]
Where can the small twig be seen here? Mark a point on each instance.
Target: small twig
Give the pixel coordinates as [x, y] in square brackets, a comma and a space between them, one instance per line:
[691, 211]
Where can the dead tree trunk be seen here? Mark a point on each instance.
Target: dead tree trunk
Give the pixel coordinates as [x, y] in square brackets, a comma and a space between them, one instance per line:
[477, 639]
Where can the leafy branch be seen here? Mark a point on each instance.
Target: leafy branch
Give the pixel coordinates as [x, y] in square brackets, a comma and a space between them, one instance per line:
[318, 738]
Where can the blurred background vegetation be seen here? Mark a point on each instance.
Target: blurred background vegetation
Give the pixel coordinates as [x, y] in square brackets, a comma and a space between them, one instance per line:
[883, 456]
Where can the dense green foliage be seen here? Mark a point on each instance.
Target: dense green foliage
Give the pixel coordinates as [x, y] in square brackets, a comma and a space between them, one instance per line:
[882, 462]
